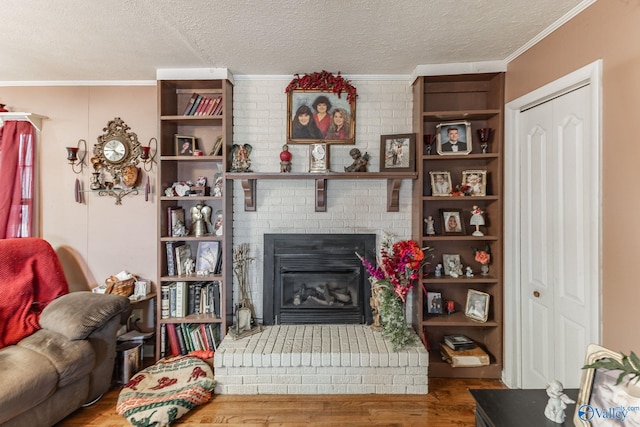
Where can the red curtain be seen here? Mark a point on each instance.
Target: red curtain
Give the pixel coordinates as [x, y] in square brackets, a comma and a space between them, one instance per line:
[17, 151]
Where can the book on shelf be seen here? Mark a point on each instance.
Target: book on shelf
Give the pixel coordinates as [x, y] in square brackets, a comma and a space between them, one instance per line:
[163, 340]
[218, 110]
[217, 101]
[182, 296]
[171, 256]
[183, 338]
[202, 107]
[172, 338]
[464, 358]
[164, 300]
[459, 342]
[189, 106]
[195, 105]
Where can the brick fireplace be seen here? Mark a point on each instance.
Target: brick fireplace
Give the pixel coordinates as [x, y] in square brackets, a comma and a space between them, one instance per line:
[316, 306]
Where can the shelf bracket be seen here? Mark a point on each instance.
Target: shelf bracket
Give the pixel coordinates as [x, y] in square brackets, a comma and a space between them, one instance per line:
[321, 195]
[393, 195]
[249, 188]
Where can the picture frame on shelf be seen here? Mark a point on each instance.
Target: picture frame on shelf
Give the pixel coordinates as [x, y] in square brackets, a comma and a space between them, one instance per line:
[440, 183]
[398, 152]
[451, 264]
[477, 306]
[183, 254]
[599, 387]
[185, 145]
[318, 158]
[434, 303]
[331, 117]
[207, 257]
[452, 222]
[453, 138]
[217, 147]
[476, 179]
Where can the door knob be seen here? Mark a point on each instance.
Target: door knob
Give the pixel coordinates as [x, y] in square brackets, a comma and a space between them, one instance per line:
[536, 294]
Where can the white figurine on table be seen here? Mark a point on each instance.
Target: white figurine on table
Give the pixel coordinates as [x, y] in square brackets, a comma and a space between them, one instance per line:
[557, 403]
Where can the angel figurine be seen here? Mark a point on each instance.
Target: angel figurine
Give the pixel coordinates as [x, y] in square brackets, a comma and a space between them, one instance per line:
[240, 158]
[557, 402]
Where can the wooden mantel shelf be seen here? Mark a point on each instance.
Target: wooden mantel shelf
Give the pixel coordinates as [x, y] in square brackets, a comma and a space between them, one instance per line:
[249, 184]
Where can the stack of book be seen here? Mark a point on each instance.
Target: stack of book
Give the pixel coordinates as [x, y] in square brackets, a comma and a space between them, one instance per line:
[183, 338]
[461, 351]
[200, 105]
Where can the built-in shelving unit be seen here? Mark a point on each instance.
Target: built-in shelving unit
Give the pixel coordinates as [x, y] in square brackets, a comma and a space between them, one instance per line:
[478, 99]
[173, 98]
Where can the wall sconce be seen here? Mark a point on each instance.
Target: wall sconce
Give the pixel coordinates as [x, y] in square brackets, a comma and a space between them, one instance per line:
[72, 156]
[144, 154]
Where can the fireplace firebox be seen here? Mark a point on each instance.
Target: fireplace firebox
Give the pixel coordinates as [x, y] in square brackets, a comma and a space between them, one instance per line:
[316, 278]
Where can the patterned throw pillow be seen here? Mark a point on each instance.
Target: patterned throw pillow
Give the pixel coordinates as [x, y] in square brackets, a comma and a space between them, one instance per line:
[162, 393]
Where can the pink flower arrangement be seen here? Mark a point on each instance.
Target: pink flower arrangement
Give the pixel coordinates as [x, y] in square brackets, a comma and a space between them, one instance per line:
[400, 265]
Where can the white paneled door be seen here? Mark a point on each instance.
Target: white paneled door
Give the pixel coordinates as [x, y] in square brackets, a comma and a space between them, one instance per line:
[558, 228]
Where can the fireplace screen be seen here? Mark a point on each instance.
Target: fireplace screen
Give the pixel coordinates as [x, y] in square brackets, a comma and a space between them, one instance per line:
[316, 279]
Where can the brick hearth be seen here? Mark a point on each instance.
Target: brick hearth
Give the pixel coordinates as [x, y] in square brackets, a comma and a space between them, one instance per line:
[319, 359]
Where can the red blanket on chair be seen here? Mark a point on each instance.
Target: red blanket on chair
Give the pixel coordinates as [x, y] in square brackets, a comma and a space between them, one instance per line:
[31, 276]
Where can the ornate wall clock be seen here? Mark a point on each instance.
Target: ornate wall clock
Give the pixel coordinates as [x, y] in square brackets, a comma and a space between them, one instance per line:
[117, 149]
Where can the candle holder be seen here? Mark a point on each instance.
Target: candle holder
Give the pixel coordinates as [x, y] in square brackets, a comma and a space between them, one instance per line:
[72, 156]
[429, 139]
[485, 135]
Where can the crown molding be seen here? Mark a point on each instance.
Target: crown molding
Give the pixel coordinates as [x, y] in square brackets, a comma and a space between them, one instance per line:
[28, 83]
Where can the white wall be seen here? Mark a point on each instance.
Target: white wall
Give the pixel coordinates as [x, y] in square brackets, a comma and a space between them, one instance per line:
[288, 206]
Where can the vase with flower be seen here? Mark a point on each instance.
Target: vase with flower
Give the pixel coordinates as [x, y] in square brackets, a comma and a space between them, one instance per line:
[483, 256]
[398, 269]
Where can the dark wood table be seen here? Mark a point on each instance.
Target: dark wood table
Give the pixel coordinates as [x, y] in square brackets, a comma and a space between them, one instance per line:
[521, 408]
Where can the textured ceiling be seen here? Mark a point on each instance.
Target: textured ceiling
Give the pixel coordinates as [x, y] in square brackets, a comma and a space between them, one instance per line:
[129, 40]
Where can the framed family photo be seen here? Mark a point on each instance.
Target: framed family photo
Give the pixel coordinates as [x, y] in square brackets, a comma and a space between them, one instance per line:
[434, 301]
[397, 152]
[185, 145]
[477, 180]
[452, 222]
[477, 306]
[440, 183]
[453, 138]
[316, 115]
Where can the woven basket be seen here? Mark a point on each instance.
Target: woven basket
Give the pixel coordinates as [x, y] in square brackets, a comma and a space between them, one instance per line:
[120, 287]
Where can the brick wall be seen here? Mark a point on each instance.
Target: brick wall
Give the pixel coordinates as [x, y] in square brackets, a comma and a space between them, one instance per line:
[288, 206]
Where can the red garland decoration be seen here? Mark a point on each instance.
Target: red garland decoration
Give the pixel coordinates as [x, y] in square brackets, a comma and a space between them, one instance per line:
[325, 81]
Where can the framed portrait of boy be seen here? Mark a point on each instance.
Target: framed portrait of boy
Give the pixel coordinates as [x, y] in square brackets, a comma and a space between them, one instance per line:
[397, 153]
[315, 116]
[477, 180]
[453, 138]
[440, 183]
[477, 306]
[452, 222]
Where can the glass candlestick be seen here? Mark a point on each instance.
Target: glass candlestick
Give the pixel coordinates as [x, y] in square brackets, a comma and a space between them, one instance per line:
[428, 142]
[485, 135]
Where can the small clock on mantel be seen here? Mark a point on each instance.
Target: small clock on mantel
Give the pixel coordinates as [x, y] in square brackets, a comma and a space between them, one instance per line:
[117, 149]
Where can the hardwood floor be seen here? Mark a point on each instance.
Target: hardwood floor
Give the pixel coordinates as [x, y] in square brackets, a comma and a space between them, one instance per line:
[448, 404]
